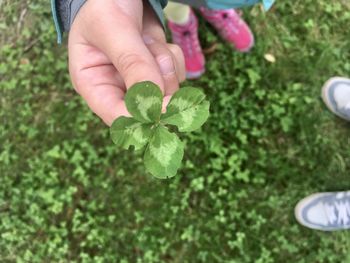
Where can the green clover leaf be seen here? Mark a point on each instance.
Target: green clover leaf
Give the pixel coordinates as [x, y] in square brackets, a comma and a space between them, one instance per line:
[163, 154]
[146, 129]
[187, 109]
[144, 102]
[128, 131]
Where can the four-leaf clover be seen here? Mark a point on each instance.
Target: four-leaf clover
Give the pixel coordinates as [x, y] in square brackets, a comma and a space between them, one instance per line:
[147, 128]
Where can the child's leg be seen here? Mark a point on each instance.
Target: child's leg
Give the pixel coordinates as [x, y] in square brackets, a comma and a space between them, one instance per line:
[184, 30]
[177, 13]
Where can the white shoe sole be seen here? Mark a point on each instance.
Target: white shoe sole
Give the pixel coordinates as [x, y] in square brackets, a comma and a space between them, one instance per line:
[195, 75]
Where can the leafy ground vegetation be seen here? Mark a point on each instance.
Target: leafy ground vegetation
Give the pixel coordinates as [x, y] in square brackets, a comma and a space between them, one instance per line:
[68, 195]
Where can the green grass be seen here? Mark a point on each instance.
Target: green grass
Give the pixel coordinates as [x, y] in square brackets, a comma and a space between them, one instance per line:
[68, 195]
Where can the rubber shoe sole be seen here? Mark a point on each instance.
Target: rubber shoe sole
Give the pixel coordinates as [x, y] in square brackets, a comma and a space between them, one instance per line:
[195, 75]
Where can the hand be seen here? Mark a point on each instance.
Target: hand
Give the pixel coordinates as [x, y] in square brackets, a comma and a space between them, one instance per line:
[112, 45]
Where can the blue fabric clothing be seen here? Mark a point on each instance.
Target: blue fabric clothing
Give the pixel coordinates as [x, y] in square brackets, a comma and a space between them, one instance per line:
[226, 4]
[64, 11]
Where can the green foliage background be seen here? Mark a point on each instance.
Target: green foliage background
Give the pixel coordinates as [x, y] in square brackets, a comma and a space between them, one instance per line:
[67, 194]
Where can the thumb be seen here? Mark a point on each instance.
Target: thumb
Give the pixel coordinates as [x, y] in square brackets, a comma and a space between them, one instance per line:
[119, 37]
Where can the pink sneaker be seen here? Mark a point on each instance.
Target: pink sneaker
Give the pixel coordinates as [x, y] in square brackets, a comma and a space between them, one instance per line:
[186, 36]
[231, 27]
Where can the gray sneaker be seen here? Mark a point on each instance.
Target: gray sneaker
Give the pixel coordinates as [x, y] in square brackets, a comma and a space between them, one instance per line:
[336, 95]
[325, 211]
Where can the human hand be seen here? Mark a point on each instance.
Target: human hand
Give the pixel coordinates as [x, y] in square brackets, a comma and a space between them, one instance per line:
[114, 44]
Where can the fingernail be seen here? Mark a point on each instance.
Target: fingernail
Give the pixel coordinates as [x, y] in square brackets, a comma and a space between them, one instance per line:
[166, 65]
[147, 39]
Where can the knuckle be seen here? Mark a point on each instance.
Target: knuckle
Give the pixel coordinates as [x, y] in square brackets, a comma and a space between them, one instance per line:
[165, 57]
[80, 80]
[129, 61]
[179, 60]
[166, 63]
[176, 50]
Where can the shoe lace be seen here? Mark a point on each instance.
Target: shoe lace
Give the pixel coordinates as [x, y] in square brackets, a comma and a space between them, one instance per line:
[228, 24]
[231, 25]
[189, 42]
[338, 212]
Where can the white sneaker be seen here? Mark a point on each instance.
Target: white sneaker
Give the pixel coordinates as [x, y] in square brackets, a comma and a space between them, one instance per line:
[325, 211]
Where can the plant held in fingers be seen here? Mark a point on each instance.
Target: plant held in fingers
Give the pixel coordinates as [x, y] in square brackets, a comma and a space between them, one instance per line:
[147, 129]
